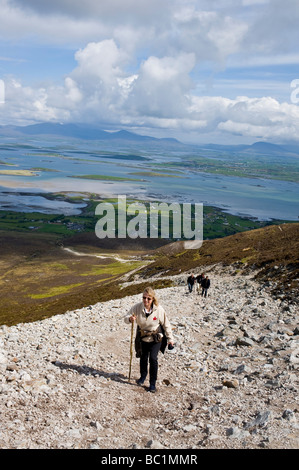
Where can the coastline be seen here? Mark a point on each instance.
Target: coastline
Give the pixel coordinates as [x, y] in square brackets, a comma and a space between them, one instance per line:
[266, 202]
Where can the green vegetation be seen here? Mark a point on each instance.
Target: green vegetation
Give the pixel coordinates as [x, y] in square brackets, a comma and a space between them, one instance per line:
[245, 166]
[44, 169]
[41, 223]
[216, 223]
[6, 164]
[38, 278]
[115, 269]
[54, 291]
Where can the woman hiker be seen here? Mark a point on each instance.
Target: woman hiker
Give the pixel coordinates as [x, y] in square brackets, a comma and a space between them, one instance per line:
[154, 330]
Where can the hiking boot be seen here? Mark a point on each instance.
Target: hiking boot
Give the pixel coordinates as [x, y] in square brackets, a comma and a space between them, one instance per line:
[140, 381]
[152, 388]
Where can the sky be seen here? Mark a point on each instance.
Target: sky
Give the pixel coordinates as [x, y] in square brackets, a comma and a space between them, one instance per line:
[201, 71]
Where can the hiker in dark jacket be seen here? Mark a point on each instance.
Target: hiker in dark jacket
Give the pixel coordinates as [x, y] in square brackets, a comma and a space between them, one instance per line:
[205, 284]
[190, 282]
[199, 278]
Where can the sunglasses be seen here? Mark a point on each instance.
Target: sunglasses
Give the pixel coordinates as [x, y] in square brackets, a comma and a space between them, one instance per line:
[147, 298]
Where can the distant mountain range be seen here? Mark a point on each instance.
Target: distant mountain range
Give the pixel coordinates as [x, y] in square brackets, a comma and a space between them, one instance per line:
[264, 148]
[78, 131]
[86, 132]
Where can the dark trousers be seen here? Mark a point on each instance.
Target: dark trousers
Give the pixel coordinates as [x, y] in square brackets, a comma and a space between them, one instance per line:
[149, 353]
[204, 291]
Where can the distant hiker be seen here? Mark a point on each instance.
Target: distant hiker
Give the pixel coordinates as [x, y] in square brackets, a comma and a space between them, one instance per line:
[205, 284]
[190, 281]
[199, 278]
[153, 334]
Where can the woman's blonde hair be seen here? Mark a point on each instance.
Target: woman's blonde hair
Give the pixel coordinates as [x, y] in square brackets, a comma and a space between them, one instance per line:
[150, 291]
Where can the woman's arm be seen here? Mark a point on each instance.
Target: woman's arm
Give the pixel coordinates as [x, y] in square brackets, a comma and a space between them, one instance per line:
[166, 326]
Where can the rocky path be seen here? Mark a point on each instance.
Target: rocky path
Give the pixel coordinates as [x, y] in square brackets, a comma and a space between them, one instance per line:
[230, 383]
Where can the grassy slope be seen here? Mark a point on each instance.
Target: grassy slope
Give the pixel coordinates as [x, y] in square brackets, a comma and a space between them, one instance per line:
[271, 244]
[38, 279]
[272, 250]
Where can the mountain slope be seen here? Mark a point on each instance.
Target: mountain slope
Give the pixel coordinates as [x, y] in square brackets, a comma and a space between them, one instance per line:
[273, 251]
[231, 382]
[39, 279]
[270, 253]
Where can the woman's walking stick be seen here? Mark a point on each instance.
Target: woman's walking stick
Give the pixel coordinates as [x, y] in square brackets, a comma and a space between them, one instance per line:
[131, 350]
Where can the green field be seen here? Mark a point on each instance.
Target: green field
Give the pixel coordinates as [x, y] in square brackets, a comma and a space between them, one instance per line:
[216, 223]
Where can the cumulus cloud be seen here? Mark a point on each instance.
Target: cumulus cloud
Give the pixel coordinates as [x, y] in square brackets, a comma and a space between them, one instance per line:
[24, 104]
[160, 95]
[139, 63]
[211, 35]
[161, 28]
[162, 87]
